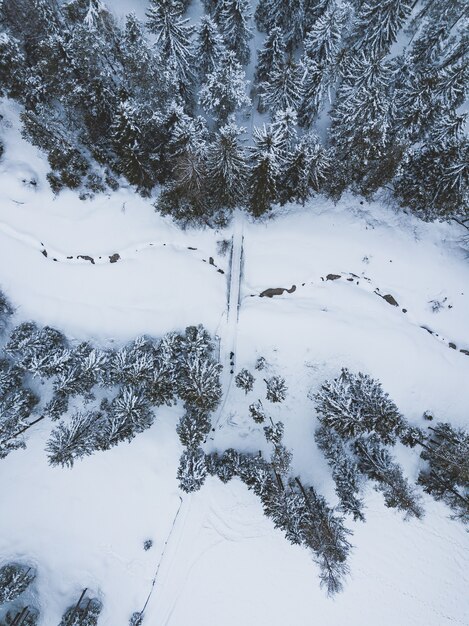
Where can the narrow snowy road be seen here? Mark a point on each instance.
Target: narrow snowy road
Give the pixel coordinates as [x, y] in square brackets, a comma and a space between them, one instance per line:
[228, 329]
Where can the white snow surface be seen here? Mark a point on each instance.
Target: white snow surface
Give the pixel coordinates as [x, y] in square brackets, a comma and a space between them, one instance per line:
[224, 562]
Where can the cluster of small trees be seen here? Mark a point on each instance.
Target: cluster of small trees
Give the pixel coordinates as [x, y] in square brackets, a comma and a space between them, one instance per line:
[134, 380]
[16, 578]
[104, 101]
[359, 424]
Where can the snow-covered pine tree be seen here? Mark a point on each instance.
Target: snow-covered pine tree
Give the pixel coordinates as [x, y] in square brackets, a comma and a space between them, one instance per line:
[257, 412]
[227, 167]
[378, 24]
[25, 616]
[267, 159]
[355, 404]
[225, 89]
[173, 37]
[233, 19]
[193, 427]
[276, 389]
[307, 170]
[6, 311]
[284, 125]
[244, 380]
[130, 146]
[446, 474]
[209, 47]
[16, 405]
[344, 471]
[127, 415]
[271, 56]
[74, 439]
[85, 613]
[377, 464]
[284, 88]
[15, 578]
[192, 469]
[199, 382]
[288, 15]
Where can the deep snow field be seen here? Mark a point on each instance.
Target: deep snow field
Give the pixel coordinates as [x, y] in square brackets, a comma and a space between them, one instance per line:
[224, 562]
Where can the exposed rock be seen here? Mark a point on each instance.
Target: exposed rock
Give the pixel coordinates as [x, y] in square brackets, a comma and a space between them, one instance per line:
[86, 257]
[277, 291]
[333, 276]
[114, 257]
[390, 300]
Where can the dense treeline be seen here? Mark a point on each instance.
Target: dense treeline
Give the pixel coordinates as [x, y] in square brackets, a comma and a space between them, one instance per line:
[164, 102]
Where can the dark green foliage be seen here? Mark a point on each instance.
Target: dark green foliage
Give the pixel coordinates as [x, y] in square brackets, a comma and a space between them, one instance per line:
[266, 161]
[355, 404]
[85, 613]
[6, 311]
[376, 463]
[15, 578]
[276, 389]
[192, 470]
[244, 380]
[446, 474]
[344, 471]
[257, 412]
[233, 19]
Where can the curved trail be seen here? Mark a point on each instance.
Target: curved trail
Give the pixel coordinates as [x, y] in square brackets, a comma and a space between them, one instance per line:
[356, 280]
[57, 256]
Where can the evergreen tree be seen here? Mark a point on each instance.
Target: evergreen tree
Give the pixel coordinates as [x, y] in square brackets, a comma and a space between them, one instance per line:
[284, 87]
[127, 415]
[15, 578]
[271, 56]
[199, 384]
[192, 470]
[267, 159]
[375, 461]
[85, 613]
[233, 19]
[75, 439]
[173, 36]
[344, 471]
[209, 47]
[307, 170]
[244, 380]
[276, 389]
[256, 411]
[227, 168]
[355, 404]
[6, 311]
[129, 146]
[225, 89]
[284, 126]
[193, 427]
[378, 24]
[446, 475]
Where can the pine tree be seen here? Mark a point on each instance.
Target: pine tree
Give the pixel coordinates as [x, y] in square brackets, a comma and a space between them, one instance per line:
[173, 36]
[271, 56]
[85, 613]
[133, 159]
[225, 89]
[378, 24]
[256, 411]
[355, 404]
[284, 126]
[15, 578]
[209, 47]
[244, 380]
[446, 475]
[192, 470]
[127, 415]
[284, 87]
[233, 20]
[375, 461]
[75, 439]
[266, 161]
[6, 311]
[193, 427]
[308, 167]
[199, 384]
[276, 389]
[344, 471]
[227, 168]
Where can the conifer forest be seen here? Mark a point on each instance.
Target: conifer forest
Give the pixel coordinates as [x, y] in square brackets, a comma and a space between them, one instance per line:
[234, 312]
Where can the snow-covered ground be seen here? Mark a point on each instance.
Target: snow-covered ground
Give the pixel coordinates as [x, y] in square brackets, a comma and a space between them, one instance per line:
[225, 563]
